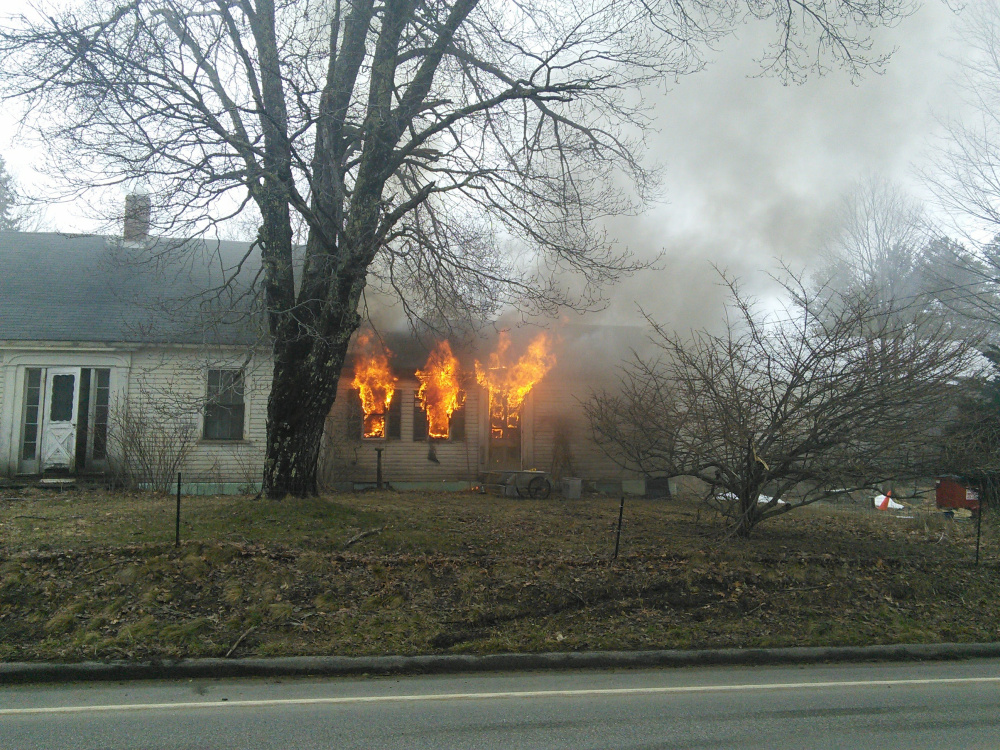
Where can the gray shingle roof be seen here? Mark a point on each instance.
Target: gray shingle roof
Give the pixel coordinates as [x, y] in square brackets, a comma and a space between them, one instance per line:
[61, 287]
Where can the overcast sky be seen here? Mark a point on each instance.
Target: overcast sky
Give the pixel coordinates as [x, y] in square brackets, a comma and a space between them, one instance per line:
[754, 169]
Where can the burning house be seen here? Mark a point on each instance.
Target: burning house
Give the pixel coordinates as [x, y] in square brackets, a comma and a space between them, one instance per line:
[93, 337]
[447, 415]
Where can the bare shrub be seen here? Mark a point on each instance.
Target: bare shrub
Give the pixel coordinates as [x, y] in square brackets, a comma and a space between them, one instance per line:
[779, 411]
[147, 447]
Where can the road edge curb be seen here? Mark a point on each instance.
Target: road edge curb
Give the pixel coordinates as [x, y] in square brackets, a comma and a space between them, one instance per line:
[337, 666]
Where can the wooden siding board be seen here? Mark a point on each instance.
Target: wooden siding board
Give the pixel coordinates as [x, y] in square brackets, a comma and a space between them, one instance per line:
[3, 396]
[404, 459]
[557, 414]
[9, 422]
[175, 382]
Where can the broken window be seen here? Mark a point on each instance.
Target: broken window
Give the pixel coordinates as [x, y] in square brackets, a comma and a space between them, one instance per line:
[456, 423]
[359, 426]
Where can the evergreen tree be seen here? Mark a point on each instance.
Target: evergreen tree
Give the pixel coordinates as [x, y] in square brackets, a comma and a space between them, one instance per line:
[11, 214]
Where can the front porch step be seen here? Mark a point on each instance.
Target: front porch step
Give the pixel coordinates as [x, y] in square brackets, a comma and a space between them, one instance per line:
[55, 482]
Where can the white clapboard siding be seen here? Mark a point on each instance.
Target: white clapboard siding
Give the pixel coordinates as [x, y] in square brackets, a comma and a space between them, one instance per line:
[563, 443]
[3, 385]
[172, 384]
[347, 459]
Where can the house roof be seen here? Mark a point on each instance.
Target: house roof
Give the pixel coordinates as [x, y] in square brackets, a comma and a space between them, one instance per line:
[59, 287]
[64, 287]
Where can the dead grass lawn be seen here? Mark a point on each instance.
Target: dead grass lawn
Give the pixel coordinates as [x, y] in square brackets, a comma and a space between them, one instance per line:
[87, 575]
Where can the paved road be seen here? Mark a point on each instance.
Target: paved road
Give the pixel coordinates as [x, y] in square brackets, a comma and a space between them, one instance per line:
[947, 705]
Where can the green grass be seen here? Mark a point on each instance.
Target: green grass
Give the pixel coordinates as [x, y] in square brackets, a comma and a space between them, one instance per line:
[86, 575]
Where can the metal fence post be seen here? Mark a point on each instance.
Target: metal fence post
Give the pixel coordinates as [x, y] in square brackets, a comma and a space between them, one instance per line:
[979, 525]
[618, 536]
[177, 523]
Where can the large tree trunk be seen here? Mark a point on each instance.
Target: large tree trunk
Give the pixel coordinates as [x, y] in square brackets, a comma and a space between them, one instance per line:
[749, 493]
[303, 390]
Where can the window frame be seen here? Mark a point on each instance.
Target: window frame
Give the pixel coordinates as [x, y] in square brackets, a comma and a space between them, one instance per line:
[34, 404]
[420, 426]
[356, 417]
[223, 413]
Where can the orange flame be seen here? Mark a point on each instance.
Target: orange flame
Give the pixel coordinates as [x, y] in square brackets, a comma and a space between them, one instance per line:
[509, 385]
[440, 392]
[375, 384]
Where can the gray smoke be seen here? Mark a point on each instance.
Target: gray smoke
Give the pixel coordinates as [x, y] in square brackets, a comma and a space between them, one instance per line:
[755, 171]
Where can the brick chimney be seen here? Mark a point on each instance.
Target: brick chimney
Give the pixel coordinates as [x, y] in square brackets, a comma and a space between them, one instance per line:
[137, 208]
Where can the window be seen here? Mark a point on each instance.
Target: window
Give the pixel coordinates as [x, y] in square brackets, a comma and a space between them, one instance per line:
[356, 417]
[456, 424]
[101, 400]
[61, 400]
[92, 417]
[224, 405]
[32, 402]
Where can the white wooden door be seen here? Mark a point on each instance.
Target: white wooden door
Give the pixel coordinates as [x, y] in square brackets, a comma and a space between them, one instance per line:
[58, 444]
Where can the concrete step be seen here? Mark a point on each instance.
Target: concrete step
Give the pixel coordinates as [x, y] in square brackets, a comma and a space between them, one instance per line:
[56, 483]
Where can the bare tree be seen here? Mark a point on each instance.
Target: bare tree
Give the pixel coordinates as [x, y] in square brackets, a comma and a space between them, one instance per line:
[415, 140]
[778, 412]
[878, 246]
[965, 174]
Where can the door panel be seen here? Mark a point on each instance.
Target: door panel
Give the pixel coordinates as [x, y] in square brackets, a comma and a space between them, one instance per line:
[504, 435]
[58, 429]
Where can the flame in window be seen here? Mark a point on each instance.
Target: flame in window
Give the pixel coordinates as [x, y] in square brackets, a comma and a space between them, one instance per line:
[440, 391]
[509, 384]
[375, 383]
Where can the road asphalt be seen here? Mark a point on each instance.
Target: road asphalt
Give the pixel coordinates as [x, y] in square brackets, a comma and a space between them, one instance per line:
[889, 706]
[335, 666]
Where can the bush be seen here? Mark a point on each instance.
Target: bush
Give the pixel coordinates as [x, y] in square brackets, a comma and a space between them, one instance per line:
[147, 447]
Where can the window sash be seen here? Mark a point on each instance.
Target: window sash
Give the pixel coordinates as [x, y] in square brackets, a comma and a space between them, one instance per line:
[225, 387]
[456, 423]
[32, 407]
[224, 406]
